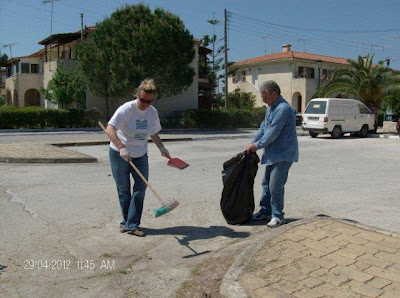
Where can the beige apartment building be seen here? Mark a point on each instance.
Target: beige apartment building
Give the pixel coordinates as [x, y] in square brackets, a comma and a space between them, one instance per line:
[298, 74]
[3, 82]
[26, 75]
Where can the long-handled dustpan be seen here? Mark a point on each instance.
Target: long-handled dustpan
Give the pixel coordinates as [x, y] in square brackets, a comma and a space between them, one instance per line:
[177, 163]
[166, 206]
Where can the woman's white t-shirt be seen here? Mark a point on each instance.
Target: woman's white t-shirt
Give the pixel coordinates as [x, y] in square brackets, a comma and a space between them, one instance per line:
[134, 127]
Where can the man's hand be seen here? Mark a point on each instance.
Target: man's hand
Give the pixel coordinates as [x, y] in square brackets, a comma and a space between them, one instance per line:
[251, 148]
[164, 152]
[124, 154]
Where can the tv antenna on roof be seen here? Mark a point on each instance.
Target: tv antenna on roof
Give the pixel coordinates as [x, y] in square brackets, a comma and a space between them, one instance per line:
[51, 17]
[265, 44]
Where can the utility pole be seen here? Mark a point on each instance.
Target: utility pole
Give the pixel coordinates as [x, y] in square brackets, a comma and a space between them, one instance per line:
[51, 17]
[226, 55]
[81, 26]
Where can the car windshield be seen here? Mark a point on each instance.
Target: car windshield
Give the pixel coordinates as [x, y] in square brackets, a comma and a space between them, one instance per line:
[316, 107]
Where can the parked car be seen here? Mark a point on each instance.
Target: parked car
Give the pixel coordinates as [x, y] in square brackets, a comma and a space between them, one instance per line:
[337, 116]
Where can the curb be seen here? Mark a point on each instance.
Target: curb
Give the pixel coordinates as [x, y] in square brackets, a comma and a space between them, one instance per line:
[230, 287]
[48, 160]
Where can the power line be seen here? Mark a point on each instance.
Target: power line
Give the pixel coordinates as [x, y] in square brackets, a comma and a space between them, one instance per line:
[317, 30]
[251, 24]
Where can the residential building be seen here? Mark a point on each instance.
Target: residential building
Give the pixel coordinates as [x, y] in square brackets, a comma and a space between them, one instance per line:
[3, 82]
[298, 74]
[27, 75]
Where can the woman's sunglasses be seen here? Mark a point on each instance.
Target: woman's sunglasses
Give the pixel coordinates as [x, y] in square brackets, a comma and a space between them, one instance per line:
[146, 101]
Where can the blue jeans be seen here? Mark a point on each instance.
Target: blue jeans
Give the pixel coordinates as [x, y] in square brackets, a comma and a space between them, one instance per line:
[273, 184]
[131, 204]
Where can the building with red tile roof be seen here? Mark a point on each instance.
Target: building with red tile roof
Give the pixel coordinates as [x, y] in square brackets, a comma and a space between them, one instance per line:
[297, 73]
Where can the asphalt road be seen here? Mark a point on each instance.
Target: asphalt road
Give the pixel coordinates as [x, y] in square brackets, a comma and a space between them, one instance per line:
[68, 215]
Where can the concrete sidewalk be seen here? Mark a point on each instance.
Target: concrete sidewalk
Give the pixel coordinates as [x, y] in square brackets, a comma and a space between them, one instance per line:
[40, 147]
[45, 147]
[317, 257]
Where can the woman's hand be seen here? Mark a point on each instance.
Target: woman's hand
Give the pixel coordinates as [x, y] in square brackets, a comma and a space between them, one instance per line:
[124, 154]
[164, 152]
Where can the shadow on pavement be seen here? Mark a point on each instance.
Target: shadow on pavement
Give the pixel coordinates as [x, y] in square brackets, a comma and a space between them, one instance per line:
[191, 233]
[2, 267]
[264, 222]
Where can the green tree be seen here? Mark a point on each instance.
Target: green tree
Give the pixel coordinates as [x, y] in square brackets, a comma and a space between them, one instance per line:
[65, 88]
[135, 43]
[241, 100]
[365, 81]
[215, 63]
[3, 60]
[392, 102]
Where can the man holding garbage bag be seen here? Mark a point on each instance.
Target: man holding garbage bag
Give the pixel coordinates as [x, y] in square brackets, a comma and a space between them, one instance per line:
[277, 135]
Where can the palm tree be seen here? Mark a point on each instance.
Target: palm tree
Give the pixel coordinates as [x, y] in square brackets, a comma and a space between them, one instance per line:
[364, 81]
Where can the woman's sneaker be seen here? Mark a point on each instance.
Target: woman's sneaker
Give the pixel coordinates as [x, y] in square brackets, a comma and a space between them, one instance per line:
[276, 222]
[261, 216]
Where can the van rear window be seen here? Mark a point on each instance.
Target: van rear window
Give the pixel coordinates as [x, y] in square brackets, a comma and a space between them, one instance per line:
[316, 107]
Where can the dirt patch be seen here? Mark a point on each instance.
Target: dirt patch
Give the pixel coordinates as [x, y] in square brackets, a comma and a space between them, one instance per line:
[207, 276]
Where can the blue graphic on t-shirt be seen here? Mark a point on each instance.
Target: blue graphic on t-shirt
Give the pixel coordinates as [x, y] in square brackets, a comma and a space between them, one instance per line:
[140, 136]
[141, 124]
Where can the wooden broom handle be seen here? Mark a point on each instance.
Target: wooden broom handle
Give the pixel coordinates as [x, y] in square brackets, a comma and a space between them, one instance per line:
[140, 174]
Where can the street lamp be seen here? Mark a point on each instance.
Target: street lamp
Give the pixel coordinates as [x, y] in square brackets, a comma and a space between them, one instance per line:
[319, 64]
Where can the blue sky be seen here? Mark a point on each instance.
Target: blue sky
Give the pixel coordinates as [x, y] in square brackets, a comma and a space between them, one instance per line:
[329, 27]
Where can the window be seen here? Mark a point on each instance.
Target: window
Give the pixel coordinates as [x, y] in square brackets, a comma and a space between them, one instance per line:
[24, 67]
[306, 72]
[16, 68]
[363, 109]
[234, 77]
[34, 68]
[327, 74]
[9, 71]
[316, 107]
[244, 76]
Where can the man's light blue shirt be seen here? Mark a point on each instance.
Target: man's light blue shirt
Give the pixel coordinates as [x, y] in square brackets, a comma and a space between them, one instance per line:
[277, 134]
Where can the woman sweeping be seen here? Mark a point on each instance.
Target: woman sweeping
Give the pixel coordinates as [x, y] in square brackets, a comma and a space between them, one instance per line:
[128, 130]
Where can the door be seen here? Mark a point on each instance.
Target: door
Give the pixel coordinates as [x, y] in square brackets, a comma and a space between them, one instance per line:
[366, 116]
[352, 117]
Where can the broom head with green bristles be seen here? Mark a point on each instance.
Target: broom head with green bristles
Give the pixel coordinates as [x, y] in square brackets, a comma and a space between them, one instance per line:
[171, 205]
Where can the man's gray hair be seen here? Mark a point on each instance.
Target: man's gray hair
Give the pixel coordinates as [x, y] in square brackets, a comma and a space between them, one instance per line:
[269, 87]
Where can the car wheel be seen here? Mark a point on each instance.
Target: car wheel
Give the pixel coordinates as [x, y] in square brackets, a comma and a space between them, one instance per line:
[336, 132]
[364, 131]
[313, 134]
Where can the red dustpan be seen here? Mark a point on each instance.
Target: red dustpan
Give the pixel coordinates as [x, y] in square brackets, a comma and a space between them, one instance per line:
[177, 163]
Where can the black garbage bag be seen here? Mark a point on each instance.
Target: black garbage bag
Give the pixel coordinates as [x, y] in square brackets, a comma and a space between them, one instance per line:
[237, 200]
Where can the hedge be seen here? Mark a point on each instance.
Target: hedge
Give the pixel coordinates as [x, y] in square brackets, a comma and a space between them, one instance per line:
[36, 117]
[218, 118]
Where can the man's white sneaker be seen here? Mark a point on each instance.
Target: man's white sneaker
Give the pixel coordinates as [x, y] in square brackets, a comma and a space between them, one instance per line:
[261, 216]
[275, 222]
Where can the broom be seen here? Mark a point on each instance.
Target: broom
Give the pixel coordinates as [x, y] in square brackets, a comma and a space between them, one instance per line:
[166, 206]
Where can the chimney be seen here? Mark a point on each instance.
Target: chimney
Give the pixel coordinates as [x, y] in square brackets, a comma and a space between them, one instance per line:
[286, 48]
[364, 58]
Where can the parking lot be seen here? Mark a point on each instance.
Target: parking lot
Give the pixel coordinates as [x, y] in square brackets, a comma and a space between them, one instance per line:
[70, 213]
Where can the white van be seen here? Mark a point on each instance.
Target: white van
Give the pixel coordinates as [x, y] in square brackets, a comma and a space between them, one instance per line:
[337, 116]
